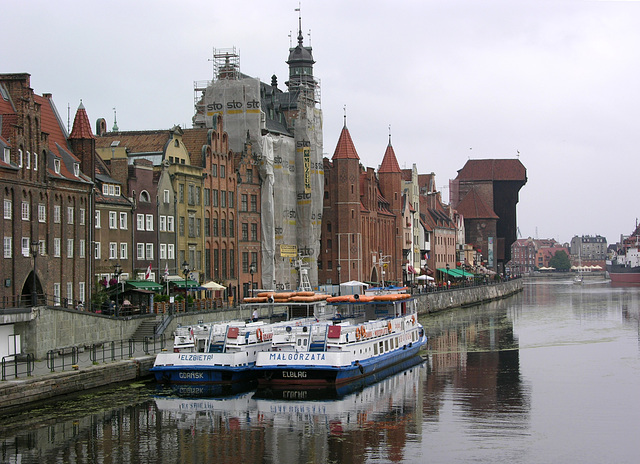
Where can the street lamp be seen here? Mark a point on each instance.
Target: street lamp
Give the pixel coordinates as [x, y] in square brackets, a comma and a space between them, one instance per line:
[252, 270]
[34, 253]
[185, 270]
[339, 268]
[117, 271]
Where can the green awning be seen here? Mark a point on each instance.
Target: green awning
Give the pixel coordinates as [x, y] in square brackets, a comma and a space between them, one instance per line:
[144, 285]
[450, 272]
[458, 273]
[191, 284]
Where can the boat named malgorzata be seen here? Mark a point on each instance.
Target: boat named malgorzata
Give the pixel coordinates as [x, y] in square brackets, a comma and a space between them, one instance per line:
[225, 352]
[374, 332]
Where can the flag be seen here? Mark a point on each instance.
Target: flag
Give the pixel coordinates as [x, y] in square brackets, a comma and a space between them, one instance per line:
[166, 270]
[147, 274]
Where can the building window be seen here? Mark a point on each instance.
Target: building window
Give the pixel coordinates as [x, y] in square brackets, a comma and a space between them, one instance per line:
[214, 170]
[82, 216]
[149, 220]
[7, 247]
[232, 232]
[223, 198]
[249, 176]
[98, 251]
[70, 215]
[163, 224]
[215, 227]
[163, 251]
[81, 292]
[149, 249]
[165, 196]
[123, 221]
[42, 247]
[97, 217]
[56, 247]
[207, 196]
[198, 227]
[243, 202]
[25, 246]
[207, 228]
[181, 226]
[140, 221]
[245, 262]
[223, 227]
[181, 193]
[222, 171]
[245, 231]
[69, 291]
[56, 165]
[81, 248]
[145, 197]
[113, 220]
[56, 294]
[140, 251]
[42, 213]
[25, 211]
[113, 250]
[254, 231]
[170, 224]
[192, 225]
[124, 250]
[28, 166]
[69, 248]
[76, 169]
[254, 203]
[57, 213]
[20, 158]
[191, 194]
[171, 254]
[7, 155]
[215, 198]
[230, 196]
[7, 209]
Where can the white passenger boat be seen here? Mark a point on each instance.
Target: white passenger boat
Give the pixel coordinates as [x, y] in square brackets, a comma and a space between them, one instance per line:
[225, 352]
[374, 333]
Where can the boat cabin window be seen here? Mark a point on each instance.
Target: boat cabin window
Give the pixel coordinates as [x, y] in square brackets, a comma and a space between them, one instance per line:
[381, 348]
[396, 342]
[375, 349]
[386, 345]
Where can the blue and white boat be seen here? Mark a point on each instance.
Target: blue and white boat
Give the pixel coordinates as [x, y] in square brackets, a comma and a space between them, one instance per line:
[225, 352]
[374, 333]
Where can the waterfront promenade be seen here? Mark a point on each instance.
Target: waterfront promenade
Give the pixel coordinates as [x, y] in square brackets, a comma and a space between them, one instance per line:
[113, 363]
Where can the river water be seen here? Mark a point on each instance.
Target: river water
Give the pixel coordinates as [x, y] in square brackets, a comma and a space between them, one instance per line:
[549, 375]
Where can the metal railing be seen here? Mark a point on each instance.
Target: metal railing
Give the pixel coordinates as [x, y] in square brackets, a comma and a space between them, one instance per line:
[22, 364]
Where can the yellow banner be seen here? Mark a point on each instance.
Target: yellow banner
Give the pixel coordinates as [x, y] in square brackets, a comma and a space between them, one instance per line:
[288, 251]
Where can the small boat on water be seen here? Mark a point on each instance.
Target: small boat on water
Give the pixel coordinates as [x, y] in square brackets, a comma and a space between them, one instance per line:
[369, 334]
[225, 352]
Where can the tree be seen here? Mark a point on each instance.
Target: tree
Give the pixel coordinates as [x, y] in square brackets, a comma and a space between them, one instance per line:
[560, 261]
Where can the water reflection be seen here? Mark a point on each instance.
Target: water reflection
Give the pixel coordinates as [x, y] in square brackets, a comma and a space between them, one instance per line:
[475, 362]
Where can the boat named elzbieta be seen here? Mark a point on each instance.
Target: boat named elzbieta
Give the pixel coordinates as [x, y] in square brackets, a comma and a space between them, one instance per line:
[225, 352]
[369, 333]
[624, 265]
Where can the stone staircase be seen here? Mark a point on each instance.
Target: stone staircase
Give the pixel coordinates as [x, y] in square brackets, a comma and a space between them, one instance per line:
[145, 329]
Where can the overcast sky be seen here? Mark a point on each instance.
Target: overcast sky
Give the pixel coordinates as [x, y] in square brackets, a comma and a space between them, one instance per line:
[556, 80]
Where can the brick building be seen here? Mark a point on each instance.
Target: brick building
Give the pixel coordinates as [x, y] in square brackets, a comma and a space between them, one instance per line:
[46, 199]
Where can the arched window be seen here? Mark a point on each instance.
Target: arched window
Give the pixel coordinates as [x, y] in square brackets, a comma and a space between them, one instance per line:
[145, 197]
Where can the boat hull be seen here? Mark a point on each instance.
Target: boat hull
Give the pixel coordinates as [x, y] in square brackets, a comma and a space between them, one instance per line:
[624, 274]
[207, 375]
[323, 374]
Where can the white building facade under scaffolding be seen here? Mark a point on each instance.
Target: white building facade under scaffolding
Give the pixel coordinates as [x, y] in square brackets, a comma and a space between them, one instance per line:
[285, 131]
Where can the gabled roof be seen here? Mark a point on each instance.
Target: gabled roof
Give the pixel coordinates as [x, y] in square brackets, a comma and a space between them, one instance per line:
[389, 161]
[472, 207]
[152, 141]
[493, 169]
[345, 149]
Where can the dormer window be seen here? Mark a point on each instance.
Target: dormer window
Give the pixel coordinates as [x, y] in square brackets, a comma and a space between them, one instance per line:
[105, 189]
[76, 169]
[56, 165]
[7, 155]
[116, 190]
[20, 158]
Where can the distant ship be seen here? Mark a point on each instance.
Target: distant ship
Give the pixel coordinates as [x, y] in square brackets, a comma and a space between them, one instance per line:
[624, 266]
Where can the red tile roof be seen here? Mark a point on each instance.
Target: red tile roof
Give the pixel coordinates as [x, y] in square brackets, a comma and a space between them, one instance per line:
[345, 149]
[389, 162]
[472, 207]
[493, 169]
[152, 141]
[50, 123]
[81, 125]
